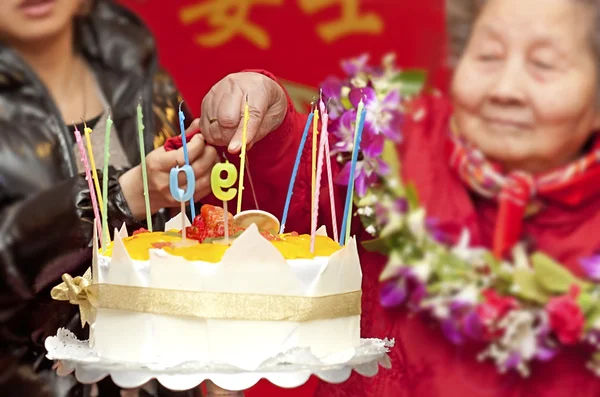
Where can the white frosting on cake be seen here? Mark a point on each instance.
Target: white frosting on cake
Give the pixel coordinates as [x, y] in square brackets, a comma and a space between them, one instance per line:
[252, 265]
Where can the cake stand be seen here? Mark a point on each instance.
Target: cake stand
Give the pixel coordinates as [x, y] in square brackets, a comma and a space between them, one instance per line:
[288, 370]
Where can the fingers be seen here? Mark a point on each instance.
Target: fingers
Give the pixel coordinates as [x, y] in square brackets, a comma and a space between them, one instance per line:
[204, 164]
[195, 148]
[229, 114]
[194, 127]
[256, 115]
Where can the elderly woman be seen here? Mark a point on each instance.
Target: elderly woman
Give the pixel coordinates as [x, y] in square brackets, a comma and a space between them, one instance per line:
[523, 103]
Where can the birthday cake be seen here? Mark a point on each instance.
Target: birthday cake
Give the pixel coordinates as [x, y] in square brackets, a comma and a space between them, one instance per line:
[160, 297]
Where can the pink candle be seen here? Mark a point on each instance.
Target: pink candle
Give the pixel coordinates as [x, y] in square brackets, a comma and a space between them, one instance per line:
[317, 189]
[88, 178]
[330, 180]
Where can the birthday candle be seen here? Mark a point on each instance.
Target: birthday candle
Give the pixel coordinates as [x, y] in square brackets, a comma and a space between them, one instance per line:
[87, 131]
[317, 190]
[346, 221]
[140, 117]
[325, 132]
[314, 158]
[243, 155]
[88, 178]
[179, 194]
[105, 235]
[288, 199]
[217, 183]
[185, 152]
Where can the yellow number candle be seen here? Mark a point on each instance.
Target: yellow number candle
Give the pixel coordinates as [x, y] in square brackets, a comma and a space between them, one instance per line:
[243, 155]
[88, 142]
[222, 188]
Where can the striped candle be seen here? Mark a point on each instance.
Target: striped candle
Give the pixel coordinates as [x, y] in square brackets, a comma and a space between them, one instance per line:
[89, 179]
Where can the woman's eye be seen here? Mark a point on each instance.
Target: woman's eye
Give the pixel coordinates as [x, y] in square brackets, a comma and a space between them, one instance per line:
[488, 57]
[542, 65]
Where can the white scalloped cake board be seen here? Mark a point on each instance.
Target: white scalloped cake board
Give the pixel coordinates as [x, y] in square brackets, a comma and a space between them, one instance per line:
[287, 370]
[252, 265]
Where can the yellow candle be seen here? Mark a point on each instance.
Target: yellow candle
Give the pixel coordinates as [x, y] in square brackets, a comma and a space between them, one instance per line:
[243, 155]
[88, 143]
[314, 158]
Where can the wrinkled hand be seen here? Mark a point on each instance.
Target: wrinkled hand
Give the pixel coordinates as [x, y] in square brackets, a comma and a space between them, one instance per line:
[223, 110]
[159, 164]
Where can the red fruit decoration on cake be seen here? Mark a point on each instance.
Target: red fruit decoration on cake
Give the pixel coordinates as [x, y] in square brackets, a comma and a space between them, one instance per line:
[209, 224]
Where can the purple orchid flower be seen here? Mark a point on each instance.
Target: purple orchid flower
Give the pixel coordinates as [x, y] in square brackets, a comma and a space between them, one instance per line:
[382, 117]
[332, 96]
[343, 130]
[545, 353]
[367, 173]
[591, 266]
[393, 293]
[382, 212]
[404, 288]
[513, 361]
[357, 65]
[473, 326]
[451, 330]
[444, 233]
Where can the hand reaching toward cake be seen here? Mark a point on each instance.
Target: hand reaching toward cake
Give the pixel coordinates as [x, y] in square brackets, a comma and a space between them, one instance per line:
[159, 163]
[223, 108]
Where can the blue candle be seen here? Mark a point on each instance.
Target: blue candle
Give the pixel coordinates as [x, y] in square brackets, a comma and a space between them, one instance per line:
[179, 194]
[295, 172]
[185, 154]
[346, 221]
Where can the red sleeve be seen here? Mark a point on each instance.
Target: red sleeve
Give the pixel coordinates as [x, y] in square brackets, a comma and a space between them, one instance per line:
[270, 164]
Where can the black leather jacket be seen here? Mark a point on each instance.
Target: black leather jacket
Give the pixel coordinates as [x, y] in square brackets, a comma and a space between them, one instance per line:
[45, 209]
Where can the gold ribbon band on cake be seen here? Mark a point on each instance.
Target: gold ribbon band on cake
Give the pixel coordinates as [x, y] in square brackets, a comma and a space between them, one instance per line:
[209, 305]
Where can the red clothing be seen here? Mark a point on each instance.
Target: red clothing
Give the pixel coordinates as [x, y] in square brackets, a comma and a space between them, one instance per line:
[424, 362]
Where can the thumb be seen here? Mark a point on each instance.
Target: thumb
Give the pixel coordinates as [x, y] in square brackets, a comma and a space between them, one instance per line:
[256, 113]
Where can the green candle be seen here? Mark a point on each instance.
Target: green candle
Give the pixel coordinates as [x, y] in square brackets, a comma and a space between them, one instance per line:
[140, 117]
[105, 234]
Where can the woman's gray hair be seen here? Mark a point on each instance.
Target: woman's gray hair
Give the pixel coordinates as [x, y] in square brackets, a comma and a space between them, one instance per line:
[461, 16]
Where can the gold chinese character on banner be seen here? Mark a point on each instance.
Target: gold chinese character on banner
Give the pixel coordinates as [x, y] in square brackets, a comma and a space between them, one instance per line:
[351, 21]
[229, 18]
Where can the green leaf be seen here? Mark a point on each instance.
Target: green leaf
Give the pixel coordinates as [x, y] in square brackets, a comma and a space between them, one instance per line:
[587, 303]
[592, 317]
[411, 81]
[496, 268]
[412, 196]
[552, 276]
[527, 287]
[377, 245]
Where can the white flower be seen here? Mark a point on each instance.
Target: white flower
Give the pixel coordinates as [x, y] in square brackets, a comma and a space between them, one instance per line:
[422, 269]
[469, 294]
[416, 223]
[520, 257]
[465, 252]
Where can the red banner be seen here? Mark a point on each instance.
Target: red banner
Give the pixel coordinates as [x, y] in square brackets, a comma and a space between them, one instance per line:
[301, 41]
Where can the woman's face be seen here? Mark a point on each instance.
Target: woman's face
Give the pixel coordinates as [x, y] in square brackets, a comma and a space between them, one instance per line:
[525, 89]
[30, 21]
